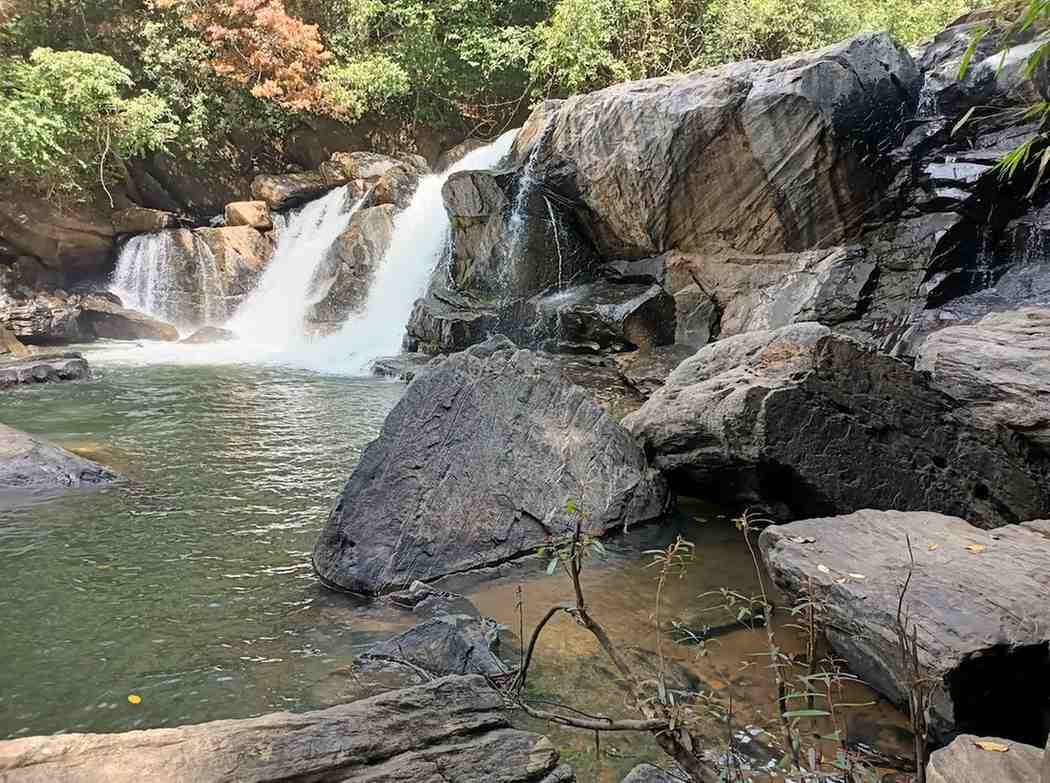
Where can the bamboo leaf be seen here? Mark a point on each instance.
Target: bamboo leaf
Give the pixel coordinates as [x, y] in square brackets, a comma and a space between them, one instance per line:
[965, 118]
[807, 714]
[964, 66]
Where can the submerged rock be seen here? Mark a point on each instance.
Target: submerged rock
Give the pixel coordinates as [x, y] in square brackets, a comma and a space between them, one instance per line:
[450, 729]
[806, 418]
[475, 466]
[976, 599]
[964, 761]
[43, 369]
[32, 465]
[446, 644]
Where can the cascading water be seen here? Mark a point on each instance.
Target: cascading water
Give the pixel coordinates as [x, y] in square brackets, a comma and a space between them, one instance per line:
[212, 291]
[274, 313]
[519, 212]
[144, 278]
[420, 237]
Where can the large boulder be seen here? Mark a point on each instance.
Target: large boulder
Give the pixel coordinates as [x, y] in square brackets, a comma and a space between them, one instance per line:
[446, 644]
[696, 316]
[41, 316]
[101, 317]
[805, 418]
[280, 191]
[30, 465]
[999, 368]
[42, 369]
[768, 157]
[255, 214]
[241, 254]
[73, 242]
[475, 466]
[341, 282]
[139, 220]
[366, 166]
[976, 602]
[397, 186]
[448, 729]
[970, 759]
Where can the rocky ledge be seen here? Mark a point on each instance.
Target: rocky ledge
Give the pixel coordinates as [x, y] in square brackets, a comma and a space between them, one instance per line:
[43, 369]
[977, 599]
[449, 729]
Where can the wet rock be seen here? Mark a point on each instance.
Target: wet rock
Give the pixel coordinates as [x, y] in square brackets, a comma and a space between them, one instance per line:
[40, 316]
[445, 321]
[449, 729]
[403, 367]
[998, 368]
[139, 220]
[43, 369]
[473, 467]
[447, 644]
[396, 186]
[963, 761]
[696, 317]
[281, 191]
[241, 255]
[792, 144]
[255, 214]
[647, 773]
[976, 600]
[451, 157]
[210, 334]
[599, 316]
[767, 292]
[803, 417]
[102, 318]
[30, 465]
[647, 370]
[367, 166]
[341, 283]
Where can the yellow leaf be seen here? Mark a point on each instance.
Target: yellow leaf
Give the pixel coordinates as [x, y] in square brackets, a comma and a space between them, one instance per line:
[933, 547]
[993, 747]
[976, 548]
[134, 698]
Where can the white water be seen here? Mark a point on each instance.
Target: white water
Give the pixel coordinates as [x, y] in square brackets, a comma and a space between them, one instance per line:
[274, 314]
[421, 235]
[143, 276]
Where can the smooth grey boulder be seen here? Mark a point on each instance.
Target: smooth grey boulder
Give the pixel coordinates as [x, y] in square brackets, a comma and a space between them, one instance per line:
[602, 316]
[766, 156]
[30, 465]
[998, 368]
[446, 644]
[43, 369]
[815, 424]
[977, 600]
[964, 761]
[449, 729]
[475, 466]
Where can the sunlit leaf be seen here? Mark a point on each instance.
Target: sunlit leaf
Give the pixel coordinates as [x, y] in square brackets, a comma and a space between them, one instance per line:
[976, 548]
[134, 698]
[992, 747]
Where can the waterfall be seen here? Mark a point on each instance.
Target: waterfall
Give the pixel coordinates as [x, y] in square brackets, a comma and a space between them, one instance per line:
[420, 238]
[518, 218]
[144, 277]
[210, 285]
[274, 313]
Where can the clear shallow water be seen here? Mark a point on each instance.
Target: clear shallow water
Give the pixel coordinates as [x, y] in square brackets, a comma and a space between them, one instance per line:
[188, 583]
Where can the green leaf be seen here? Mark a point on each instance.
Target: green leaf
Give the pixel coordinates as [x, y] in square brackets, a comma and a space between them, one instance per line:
[965, 118]
[570, 507]
[807, 714]
[552, 566]
[964, 66]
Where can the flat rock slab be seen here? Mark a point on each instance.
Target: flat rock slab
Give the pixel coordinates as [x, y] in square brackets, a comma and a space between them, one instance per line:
[449, 729]
[43, 369]
[979, 600]
[32, 465]
[964, 761]
[475, 466]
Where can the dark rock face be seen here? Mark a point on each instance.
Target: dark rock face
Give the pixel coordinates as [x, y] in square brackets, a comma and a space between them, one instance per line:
[696, 317]
[648, 370]
[447, 644]
[43, 369]
[977, 601]
[29, 465]
[102, 318]
[449, 729]
[475, 466]
[73, 244]
[598, 316]
[812, 420]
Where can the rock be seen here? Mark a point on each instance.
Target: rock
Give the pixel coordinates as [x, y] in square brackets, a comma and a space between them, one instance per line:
[404, 366]
[447, 644]
[806, 418]
[975, 599]
[414, 160]
[646, 270]
[74, 242]
[597, 316]
[139, 220]
[449, 729]
[255, 214]
[473, 467]
[647, 370]
[241, 254]
[767, 292]
[696, 317]
[445, 321]
[963, 761]
[11, 345]
[30, 465]
[280, 191]
[647, 773]
[43, 369]
[451, 157]
[396, 186]
[40, 317]
[999, 368]
[367, 166]
[341, 283]
[767, 157]
[100, 317]
[210, 334]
